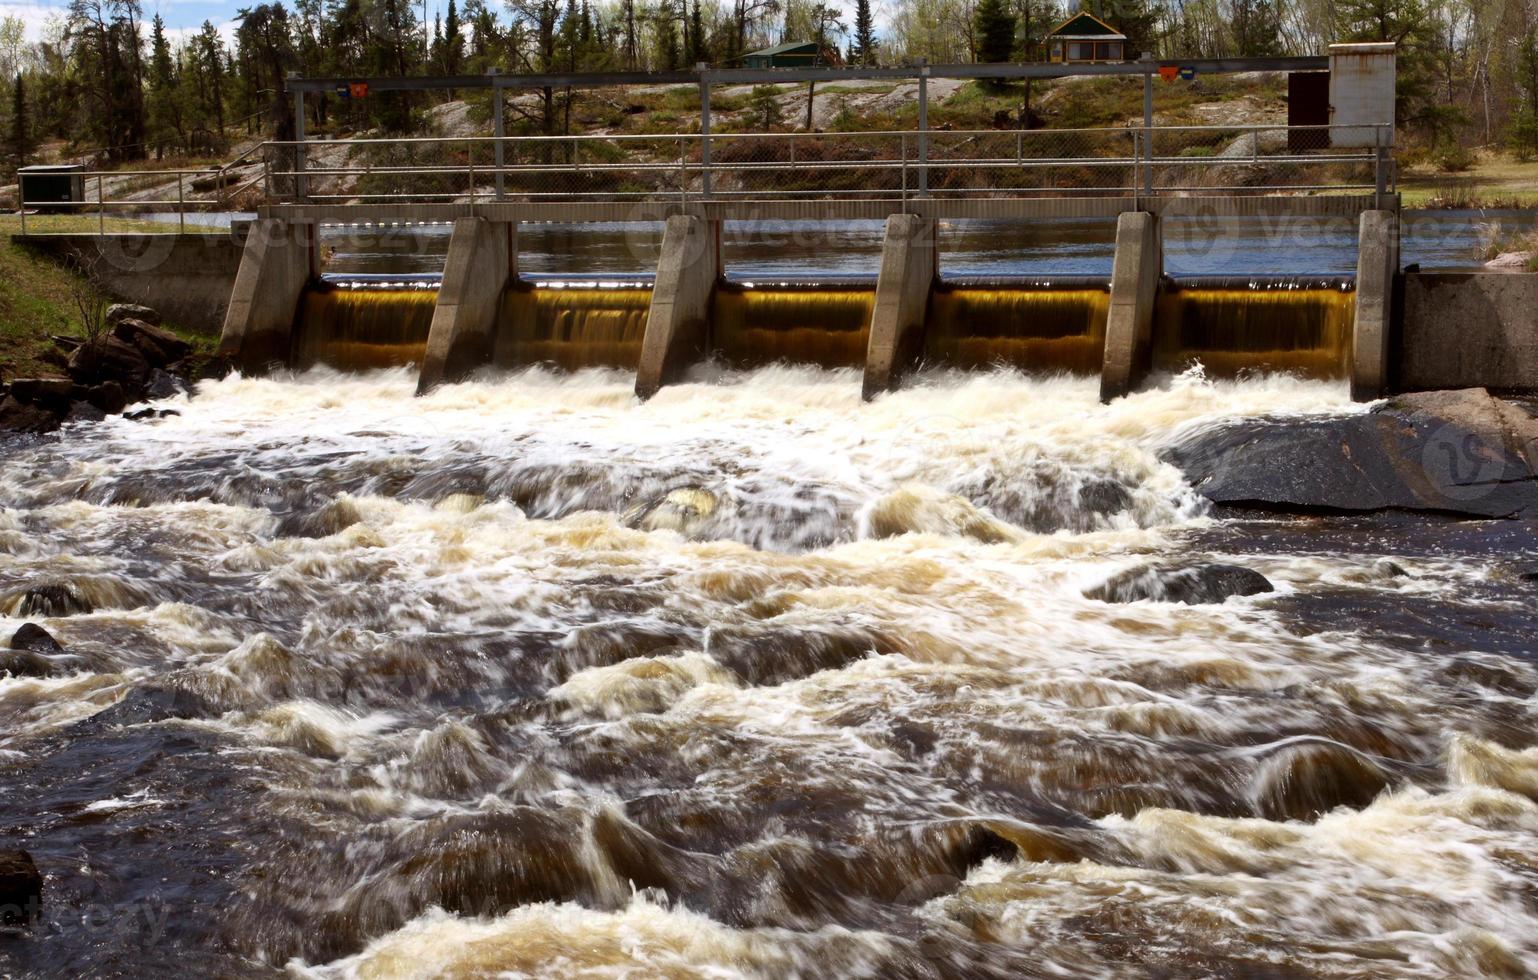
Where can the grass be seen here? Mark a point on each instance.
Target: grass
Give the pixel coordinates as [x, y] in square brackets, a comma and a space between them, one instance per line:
[1494, 179]
[37, 299]
[1498, 240]
[56, 224]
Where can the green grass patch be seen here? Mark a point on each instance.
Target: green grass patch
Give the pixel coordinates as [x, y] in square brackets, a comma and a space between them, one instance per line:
[37, 300]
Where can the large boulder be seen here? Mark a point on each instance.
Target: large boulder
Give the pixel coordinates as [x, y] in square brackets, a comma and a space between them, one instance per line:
[158, 345]
[1190, 584]
[1453, 452]
[110, 359]
[52, 394]
[118, 312]
[18, 416]
[21, 889]
[33, 638]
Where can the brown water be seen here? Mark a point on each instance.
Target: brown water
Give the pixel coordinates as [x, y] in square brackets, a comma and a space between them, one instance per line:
[527, 678]
[1299, 327]
[1302, 329]
[755, 325]
[362, 327]
[572, 326]
[1027, 327]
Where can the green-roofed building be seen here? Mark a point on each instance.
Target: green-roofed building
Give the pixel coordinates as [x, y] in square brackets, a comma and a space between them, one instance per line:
[792, 54]
[1085, 39]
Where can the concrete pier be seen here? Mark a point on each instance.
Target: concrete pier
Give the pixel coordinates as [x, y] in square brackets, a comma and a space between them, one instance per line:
[1135, 274]
[481, 261]
[908, 269]
[678, 323]
[1377, 269]
[1467, 330]
[275, 266]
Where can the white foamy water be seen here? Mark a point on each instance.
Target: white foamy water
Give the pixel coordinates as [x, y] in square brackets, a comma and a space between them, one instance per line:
[755, 679]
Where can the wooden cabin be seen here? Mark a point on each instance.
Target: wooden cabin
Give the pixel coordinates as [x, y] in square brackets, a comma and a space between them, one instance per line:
[793, 54]
[1085, 39]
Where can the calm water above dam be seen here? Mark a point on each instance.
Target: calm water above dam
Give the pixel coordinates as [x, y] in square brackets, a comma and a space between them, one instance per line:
[525, 678]
[799, 250]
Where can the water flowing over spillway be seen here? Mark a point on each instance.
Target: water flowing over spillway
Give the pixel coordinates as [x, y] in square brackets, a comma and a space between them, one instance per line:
[525, 677]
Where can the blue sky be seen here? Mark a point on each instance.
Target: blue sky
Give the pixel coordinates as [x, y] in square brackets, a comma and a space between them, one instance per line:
[182, 16]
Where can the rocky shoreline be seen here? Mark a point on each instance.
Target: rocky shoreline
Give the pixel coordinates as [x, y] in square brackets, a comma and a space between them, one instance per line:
[1463, 453]
[133, 360]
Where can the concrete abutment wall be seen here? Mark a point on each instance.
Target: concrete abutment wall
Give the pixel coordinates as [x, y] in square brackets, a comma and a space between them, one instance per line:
[481, 262]
[1377, 273]
[275, 266]
[908, 270]
[1135, 273]
[678, 324]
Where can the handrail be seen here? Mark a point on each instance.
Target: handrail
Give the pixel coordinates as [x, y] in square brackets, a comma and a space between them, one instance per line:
[848, 164]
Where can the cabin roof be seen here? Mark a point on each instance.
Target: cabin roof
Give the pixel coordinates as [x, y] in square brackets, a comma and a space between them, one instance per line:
[1083, 25]
[789, 47]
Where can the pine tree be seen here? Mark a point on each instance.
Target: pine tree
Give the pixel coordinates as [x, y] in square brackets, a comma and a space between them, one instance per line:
[453, 41]
[862, 50]
[1257, 28]
[994, 26]
[164, 109]
[698, 52]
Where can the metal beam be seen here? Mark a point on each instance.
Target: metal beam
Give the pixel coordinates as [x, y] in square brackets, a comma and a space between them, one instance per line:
[741, 76]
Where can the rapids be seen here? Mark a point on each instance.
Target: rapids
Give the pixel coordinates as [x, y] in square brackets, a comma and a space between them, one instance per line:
[526, 678]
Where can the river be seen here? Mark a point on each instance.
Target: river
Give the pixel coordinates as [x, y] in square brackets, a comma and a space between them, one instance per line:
[1435, 240]
[753, 679]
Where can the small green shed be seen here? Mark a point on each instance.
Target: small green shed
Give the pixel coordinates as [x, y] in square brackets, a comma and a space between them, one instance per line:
[792, 54]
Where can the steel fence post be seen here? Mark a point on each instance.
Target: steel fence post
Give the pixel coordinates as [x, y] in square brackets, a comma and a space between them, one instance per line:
[923, 174]
[1148, 118]
[301, 185]
[499, 129]
[703, 70]
[181, 206]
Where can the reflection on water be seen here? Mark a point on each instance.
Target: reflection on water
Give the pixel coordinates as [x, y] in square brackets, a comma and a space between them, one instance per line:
[973, 248]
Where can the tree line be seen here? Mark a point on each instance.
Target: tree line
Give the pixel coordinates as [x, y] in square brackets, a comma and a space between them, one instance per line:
[110, 85]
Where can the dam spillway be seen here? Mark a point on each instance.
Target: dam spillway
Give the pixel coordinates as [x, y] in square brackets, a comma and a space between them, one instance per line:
[485, 315]
[1293, 325]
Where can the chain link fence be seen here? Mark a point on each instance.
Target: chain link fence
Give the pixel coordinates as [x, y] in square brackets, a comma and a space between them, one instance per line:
[1127, 161]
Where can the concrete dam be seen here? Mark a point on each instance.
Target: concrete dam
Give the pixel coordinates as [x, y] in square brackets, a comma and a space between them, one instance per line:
[482, 314]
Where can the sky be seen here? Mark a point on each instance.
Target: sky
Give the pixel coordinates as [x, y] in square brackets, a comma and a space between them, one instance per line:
[182, 17]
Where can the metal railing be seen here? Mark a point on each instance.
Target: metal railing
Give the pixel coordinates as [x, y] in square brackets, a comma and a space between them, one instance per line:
[1131, 162]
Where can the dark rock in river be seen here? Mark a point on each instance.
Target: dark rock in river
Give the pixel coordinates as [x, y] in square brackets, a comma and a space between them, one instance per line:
[108, 396]
[53, 599]
[1191, 585]
[21, 889]
[53, 394]
[110, 359]
[84, 412]
[34, 638]
[27, 656]
[1453, 452]
[23, 663]
[143, 705]
[162, 385]
[17, 416]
